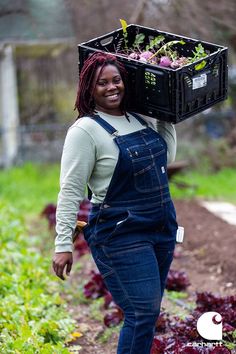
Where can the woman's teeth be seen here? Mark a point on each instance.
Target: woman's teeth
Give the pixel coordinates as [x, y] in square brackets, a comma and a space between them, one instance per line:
[113, 96]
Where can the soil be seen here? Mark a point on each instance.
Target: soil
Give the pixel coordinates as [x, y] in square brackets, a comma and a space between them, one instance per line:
[208, 251]
[207, 256]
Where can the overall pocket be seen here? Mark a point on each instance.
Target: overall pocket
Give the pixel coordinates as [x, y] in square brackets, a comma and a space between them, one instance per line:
[148, 162]
[110, 223]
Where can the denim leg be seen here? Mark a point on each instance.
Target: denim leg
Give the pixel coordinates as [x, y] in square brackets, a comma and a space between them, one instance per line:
[164, 256]
[132, 277]
[165, 245]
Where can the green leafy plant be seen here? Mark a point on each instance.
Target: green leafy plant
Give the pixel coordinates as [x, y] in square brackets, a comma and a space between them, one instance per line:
[139, 39]
[199, 53]
[166, 49]
[33, 316]
[155, 42]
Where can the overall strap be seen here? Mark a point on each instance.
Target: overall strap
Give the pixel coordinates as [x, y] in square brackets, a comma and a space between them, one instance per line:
[141, 120]
[109, 128]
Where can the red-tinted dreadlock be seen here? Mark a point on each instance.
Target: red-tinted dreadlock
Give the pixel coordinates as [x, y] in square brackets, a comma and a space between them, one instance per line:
[84, 101]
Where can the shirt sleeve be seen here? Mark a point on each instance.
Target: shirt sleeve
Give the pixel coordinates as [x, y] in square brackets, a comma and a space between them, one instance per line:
[77, 162]
[168, 132]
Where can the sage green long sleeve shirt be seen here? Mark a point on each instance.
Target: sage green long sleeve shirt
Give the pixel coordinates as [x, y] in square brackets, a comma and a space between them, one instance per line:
[89, 158]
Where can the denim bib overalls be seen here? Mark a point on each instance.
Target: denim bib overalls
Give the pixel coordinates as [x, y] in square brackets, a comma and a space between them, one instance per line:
[132, 233]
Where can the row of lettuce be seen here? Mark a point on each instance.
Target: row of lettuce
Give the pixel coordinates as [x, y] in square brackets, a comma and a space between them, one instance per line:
[33, 316]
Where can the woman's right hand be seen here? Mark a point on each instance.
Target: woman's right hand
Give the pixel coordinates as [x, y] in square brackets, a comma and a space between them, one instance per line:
[60, 261]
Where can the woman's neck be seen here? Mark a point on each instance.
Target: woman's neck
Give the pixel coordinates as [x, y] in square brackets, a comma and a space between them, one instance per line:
[115, 112]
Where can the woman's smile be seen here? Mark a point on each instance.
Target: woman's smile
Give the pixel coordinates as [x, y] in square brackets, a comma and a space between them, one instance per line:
[113, 97]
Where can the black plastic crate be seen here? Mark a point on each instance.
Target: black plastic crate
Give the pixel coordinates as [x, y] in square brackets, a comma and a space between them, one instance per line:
[168, 94]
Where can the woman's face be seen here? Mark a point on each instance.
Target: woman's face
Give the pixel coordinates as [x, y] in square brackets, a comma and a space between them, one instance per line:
[108, 90]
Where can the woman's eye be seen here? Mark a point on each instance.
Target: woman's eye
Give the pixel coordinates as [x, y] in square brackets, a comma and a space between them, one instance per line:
[114, 81]
[101, 83]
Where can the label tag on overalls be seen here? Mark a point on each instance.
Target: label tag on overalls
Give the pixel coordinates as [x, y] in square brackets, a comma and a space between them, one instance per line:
[180, 234]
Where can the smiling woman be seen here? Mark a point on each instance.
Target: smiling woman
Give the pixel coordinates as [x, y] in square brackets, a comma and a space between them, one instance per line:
[108, 90]
[102, 76]
[131, 232]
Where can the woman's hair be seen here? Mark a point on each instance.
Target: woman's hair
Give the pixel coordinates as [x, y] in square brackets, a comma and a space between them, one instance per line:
[84, 101]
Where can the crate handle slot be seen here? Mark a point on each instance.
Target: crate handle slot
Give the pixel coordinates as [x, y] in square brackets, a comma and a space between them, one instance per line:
[106, 41]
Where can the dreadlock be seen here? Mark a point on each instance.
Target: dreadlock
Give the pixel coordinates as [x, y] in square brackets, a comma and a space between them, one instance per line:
[84, 101]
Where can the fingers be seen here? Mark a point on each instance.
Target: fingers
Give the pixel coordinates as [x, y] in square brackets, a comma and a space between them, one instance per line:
[68, 268]
[60, 261]
[59, 269]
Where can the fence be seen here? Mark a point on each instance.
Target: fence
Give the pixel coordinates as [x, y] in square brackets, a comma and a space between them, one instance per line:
[44, 142]
[39, 143]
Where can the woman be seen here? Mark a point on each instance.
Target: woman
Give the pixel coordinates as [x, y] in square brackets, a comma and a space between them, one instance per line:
[132, 225]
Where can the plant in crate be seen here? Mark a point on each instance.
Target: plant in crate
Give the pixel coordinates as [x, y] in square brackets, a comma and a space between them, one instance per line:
[159, 52]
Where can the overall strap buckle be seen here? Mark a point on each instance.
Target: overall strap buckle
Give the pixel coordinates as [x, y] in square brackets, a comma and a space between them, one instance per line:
[115, 133]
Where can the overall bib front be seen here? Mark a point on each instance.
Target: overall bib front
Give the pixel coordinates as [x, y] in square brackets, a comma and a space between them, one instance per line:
[132, 233]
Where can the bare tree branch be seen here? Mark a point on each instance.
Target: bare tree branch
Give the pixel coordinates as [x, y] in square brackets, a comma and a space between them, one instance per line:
[206, 20]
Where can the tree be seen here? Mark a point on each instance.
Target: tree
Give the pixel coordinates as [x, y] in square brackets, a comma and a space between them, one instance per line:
[206, 20]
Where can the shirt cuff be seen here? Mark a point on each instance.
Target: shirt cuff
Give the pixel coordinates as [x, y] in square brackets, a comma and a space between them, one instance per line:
[64, 248]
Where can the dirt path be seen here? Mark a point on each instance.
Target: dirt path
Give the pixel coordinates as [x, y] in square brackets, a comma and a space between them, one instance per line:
[208, 251]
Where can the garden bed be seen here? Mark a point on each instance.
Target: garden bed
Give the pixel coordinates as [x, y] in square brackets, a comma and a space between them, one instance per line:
[207, 256]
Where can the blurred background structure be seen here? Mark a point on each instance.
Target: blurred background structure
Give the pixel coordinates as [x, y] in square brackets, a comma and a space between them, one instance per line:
[39, 71]
[34, 35]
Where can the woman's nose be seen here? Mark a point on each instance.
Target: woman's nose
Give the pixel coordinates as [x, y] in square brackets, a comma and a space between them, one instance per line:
[111, 86]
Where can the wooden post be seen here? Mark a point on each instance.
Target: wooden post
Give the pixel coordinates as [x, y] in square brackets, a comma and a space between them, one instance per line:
[9, 112]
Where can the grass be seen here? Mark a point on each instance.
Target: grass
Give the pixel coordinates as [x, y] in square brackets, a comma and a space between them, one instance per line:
[30, 187]
[195, 184]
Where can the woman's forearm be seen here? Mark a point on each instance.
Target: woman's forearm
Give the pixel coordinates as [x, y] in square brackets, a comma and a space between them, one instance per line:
[76, 165]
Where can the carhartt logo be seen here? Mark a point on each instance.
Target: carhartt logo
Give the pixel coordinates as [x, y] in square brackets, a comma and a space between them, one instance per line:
[209, 326]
